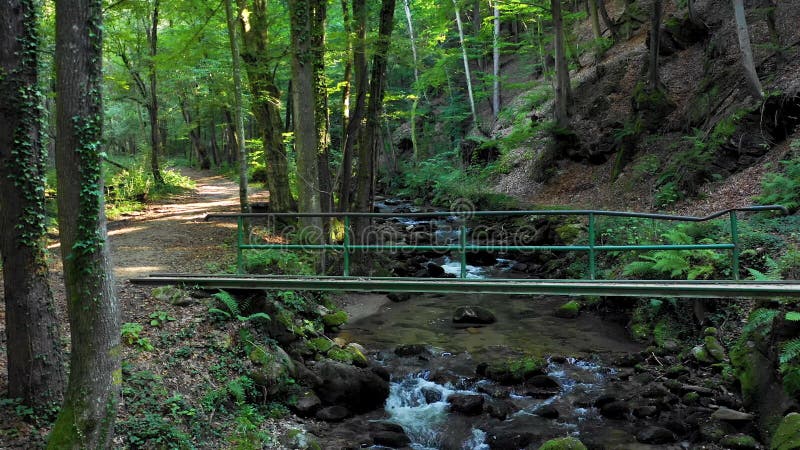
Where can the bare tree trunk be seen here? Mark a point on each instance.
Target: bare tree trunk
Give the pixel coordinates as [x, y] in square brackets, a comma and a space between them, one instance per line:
[322, 115]
[655, 44]
[213, 143]
[354, 125]
[594, 18]
[35, 361]
[747, 53]
[152, 109]
[369, 149]
[496, 61]
[244, 202]
[86, 420]
[413, 119]
[194, 134]
[265, 100]
[561, 108]
[301, 13]
[466, 63]
[610, 24]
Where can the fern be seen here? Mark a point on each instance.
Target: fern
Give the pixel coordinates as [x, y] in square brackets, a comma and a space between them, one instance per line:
[790, 350]
[233, 309]
[793, 316]
[760, 318]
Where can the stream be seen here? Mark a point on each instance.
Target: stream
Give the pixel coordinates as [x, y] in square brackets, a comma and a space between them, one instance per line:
[433, 360]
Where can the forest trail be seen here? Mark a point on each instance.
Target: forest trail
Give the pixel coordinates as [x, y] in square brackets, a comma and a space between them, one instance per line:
[172, 236]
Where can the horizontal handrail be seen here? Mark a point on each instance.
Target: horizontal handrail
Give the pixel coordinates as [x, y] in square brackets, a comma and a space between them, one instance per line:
[463, 247]
[541, 212]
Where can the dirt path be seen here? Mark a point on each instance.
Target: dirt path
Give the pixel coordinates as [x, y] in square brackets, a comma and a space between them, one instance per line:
[174, 237]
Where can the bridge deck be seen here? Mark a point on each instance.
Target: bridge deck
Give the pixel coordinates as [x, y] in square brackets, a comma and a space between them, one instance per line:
[630, 288]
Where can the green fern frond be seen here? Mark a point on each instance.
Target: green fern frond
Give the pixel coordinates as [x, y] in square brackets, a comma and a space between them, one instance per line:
[790, 350]
[638, 269]
[229, 301]
[793, 316]
[258, 315]
[760, 318]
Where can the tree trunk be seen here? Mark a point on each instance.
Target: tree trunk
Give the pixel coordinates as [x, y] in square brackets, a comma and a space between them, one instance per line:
[347, 157]
[747, 53]
[87, 417]
[594, 18]
[301, 13]
[655, 44]
[265, 101]
[321, 114]
[561, 107]
[413, 119]
[466, 63]
[244, 203]
[213, 143]
[152, 108]
[496, 61]
[354, 125]
[35, 361]
[194, 135]
[610, 24]
[368, 151]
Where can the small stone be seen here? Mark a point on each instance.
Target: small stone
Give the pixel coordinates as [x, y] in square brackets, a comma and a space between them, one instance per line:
[307, 403]
[498, 409]
[544, 382]
[701, 355]
[411, 350]
[473, 315]
[431, 395]
[655, 435]
[470, 405]
[645, 411]
[399, 297]
[732, 416]
[435, 270]
[655, 390]
[333, 413]
[392, 439]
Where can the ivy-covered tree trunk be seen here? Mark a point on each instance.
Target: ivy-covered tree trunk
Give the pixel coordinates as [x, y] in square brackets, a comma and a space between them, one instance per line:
[352, 133]
[265, 100]
[369, 148]
[35, 362]
[86, 420]
[301, 13]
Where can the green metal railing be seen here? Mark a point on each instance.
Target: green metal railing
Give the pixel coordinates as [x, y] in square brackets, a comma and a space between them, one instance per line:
[463, 247]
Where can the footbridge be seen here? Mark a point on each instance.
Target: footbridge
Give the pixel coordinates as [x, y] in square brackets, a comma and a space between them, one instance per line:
[601, 237]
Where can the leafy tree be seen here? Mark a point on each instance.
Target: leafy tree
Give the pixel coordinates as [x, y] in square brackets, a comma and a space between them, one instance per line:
[35, 364]
[87, 417]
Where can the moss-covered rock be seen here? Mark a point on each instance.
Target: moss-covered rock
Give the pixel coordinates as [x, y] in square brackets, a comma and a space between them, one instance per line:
[514, 371]
[714, 348]
[273, 368]
[569, 310]
[569, 232]
[700, 353]
[341, 355]
[710, 331]
[319, 345]
[336, 319]
[739, 442]
[565, 443]
[787, 436]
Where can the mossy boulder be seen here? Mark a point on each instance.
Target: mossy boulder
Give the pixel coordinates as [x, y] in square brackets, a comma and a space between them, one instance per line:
[348, 355]
[739, 442]
[569, 233]
[569, 310]
[701, 354]
[336, 319]
[319, 345]
[515, 371]
[273, 368]
[787, 436]
[565, 443]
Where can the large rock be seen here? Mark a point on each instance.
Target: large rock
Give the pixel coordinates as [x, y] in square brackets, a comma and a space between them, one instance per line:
[741, 441]
[272, 368]
[334, 413]
[569, 310]
[732, 416]
[359, 389]
[473, 315]
[565, 443]
[467, 404]
[513, 371]
[615, 410]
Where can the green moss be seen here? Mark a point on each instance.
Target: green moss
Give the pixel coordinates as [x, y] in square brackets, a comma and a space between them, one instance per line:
[739, 442]
[700, 354]
[569, 310]
[710, 331]
[319, 345]
[336, 319]
[569, 233]
[691, 398]
[565, 443]
[640, 332]
[714, 348]
[259, 356]
[787, 436]
[341, 355]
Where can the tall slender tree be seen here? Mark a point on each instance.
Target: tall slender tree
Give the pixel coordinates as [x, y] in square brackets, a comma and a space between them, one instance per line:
[465, 57]
[152, 109]
[244, 202]
[562, 86]
[35, 364]
[86, 420]
[265, 99]
[655, 44]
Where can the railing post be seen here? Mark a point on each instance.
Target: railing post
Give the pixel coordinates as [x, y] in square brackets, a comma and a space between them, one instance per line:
[462, 242]
[346, 246]
[239, 243]
[735, 242]
[592, 253]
